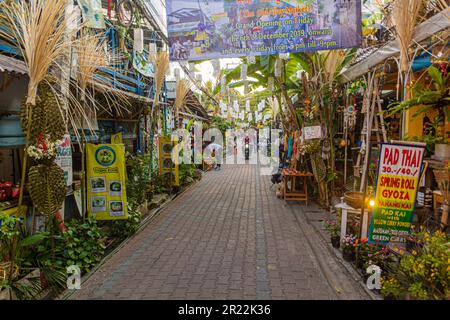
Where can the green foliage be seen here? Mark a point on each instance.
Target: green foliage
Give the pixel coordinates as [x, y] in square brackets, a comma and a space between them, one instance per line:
[221, 124]
[84, 244]
[125, 228]
[436, 96]
[424, 273]
[138, 178]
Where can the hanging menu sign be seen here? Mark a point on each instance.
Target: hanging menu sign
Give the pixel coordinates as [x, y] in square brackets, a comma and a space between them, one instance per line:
[399, 170]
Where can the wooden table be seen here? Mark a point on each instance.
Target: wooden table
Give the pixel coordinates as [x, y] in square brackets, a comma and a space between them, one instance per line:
[294, 194]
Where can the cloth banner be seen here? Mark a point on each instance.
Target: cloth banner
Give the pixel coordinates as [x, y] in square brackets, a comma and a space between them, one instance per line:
[200, 30]
[106, 179]
[92, 13]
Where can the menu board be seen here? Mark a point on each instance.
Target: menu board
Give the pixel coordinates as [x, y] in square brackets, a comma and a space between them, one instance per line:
[399, 170]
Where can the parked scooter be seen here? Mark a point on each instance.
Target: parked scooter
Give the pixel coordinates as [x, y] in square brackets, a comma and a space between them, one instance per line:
[247, 148]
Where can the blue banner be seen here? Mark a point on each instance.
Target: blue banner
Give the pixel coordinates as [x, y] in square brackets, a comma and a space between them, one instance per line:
[211, 29]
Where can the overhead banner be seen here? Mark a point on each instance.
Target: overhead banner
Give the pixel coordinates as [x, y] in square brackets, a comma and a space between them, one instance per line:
[231, 28]
[399, 170]
[106, 176]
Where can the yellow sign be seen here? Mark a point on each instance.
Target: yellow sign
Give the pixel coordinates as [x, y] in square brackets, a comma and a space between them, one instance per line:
[167, 169]
[117, 138]
[106, 176]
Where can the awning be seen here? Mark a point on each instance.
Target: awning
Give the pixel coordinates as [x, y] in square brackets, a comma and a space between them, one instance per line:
[423, 31]
[12, 65]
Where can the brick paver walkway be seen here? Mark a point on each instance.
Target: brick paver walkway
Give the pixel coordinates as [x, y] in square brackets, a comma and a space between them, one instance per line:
[228, 237]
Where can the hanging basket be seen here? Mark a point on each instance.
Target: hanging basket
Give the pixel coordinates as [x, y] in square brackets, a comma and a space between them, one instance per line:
[354, 199]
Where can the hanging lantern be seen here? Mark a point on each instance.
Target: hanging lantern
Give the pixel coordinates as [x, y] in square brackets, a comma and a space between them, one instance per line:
[270, 84]
[251, 59]
[152, 49]
[284, 56]
[244, 72]
[216, 67]
[277, 70]
[176, 73]
[223, 85]
[247, 104]
[246, 87]
[138, 40]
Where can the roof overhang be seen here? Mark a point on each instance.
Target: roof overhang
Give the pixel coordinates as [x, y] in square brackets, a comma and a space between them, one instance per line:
[425, 30]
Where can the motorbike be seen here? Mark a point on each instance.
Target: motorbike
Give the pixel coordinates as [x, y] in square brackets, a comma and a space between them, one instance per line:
[247, 149]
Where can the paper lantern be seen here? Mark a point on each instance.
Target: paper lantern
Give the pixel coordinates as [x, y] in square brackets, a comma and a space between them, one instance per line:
[277, 71]
[270, 84]
[152, 49]
[139, 40]
[244, 72]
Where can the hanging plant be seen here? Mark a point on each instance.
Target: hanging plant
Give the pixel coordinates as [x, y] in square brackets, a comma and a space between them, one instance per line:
[46, 115]
[47, 187]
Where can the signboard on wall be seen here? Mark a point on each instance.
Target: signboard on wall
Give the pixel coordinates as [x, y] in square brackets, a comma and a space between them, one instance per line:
[167, 168]
[64, 159]
[106, 177]
[313, 132]
[230, 28]
[399, 170]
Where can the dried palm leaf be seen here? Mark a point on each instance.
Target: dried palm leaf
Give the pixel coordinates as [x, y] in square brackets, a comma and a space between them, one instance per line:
[182, 89]
[161, 63]
[40, 30]
[404, 15]
[90, 57]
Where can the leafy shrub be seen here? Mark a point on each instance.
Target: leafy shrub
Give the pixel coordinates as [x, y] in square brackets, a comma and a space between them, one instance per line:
[125, 228]
[424, 273]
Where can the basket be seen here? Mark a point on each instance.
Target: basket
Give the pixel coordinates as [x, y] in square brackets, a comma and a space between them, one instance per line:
[354, 199]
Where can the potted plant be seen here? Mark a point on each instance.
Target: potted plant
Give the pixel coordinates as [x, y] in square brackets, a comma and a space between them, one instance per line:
[348, 248]
[332, 228]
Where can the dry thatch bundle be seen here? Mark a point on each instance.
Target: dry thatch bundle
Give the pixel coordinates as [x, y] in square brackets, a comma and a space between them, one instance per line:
[161, 63]
[182, 89]
[274, 106]
[90, 56]
[331, 64]
[39, 28]
[404, 15]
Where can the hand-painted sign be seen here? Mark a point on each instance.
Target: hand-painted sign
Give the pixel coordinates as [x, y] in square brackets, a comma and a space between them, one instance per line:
[64, 159]
[229, 28]
[313, 132]
[399, 170]
[106, 193]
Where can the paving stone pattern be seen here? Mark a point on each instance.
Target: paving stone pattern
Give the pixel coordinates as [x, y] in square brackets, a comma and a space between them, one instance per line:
[228, 237]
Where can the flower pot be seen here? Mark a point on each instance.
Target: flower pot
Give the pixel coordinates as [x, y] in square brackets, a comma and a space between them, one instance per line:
[348, 256]
[336, 242]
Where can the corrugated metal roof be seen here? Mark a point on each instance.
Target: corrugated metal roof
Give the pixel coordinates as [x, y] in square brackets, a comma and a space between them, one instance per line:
[8, 64]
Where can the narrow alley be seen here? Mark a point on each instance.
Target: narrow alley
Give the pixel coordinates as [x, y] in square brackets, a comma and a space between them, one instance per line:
[227, 237]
